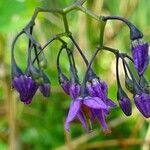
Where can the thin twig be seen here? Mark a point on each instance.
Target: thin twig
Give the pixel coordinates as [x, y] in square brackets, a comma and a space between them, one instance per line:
[118, 142]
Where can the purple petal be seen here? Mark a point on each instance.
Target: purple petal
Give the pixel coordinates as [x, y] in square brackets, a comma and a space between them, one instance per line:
[101, 117]
[140, 55]
[26, 88]
[97, 88]
[82, 120]
[90, 89]
[66, 85]
[64, 82]
[73, 111]
[93, 116]
[100, 88]
[45, 89]
[110, 103]
[74, 91]
[142, 102]
[94, 102]
[125, 105]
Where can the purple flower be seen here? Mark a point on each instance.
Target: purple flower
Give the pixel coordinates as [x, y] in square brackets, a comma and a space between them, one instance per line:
[77, 104]
[26, 87]
[98, 88]
[142, 102]
[45, 89]
[140, 55]
[74, 92]
[125, 105]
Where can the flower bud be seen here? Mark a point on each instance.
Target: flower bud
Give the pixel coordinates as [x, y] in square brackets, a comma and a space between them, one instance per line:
[64, 82]
[124, 102]
[142, 102]
[45, 87]
[140, 55]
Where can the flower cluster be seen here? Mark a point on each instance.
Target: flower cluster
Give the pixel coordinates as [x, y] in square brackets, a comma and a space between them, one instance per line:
[33, 78]
[90, 99]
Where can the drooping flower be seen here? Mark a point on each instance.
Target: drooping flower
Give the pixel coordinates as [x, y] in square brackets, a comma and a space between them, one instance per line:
[98, 88]
[74, 91]
[142, 102]
[78, 103]
[26, 88]
[140, 55]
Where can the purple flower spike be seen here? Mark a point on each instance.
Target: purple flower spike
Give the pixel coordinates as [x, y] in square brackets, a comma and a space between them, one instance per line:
[45, 89]
[140, 55]
[125, 105]
[26, 88]
[142, 102]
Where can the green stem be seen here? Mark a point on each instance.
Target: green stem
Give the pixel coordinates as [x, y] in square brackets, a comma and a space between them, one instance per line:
[117, 72]
[102, 28]
[89, 13]
[13, 46]
[80, 2]
[53, 38]
[66, 23]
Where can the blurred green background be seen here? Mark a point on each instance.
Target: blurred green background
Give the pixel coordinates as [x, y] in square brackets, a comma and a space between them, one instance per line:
[39, 126]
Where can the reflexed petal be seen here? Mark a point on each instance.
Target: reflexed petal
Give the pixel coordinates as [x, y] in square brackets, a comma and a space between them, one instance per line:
[73, 111]
[110, 103]
[101, 117]
[94, 102]
[82, 120]
[93, 116]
